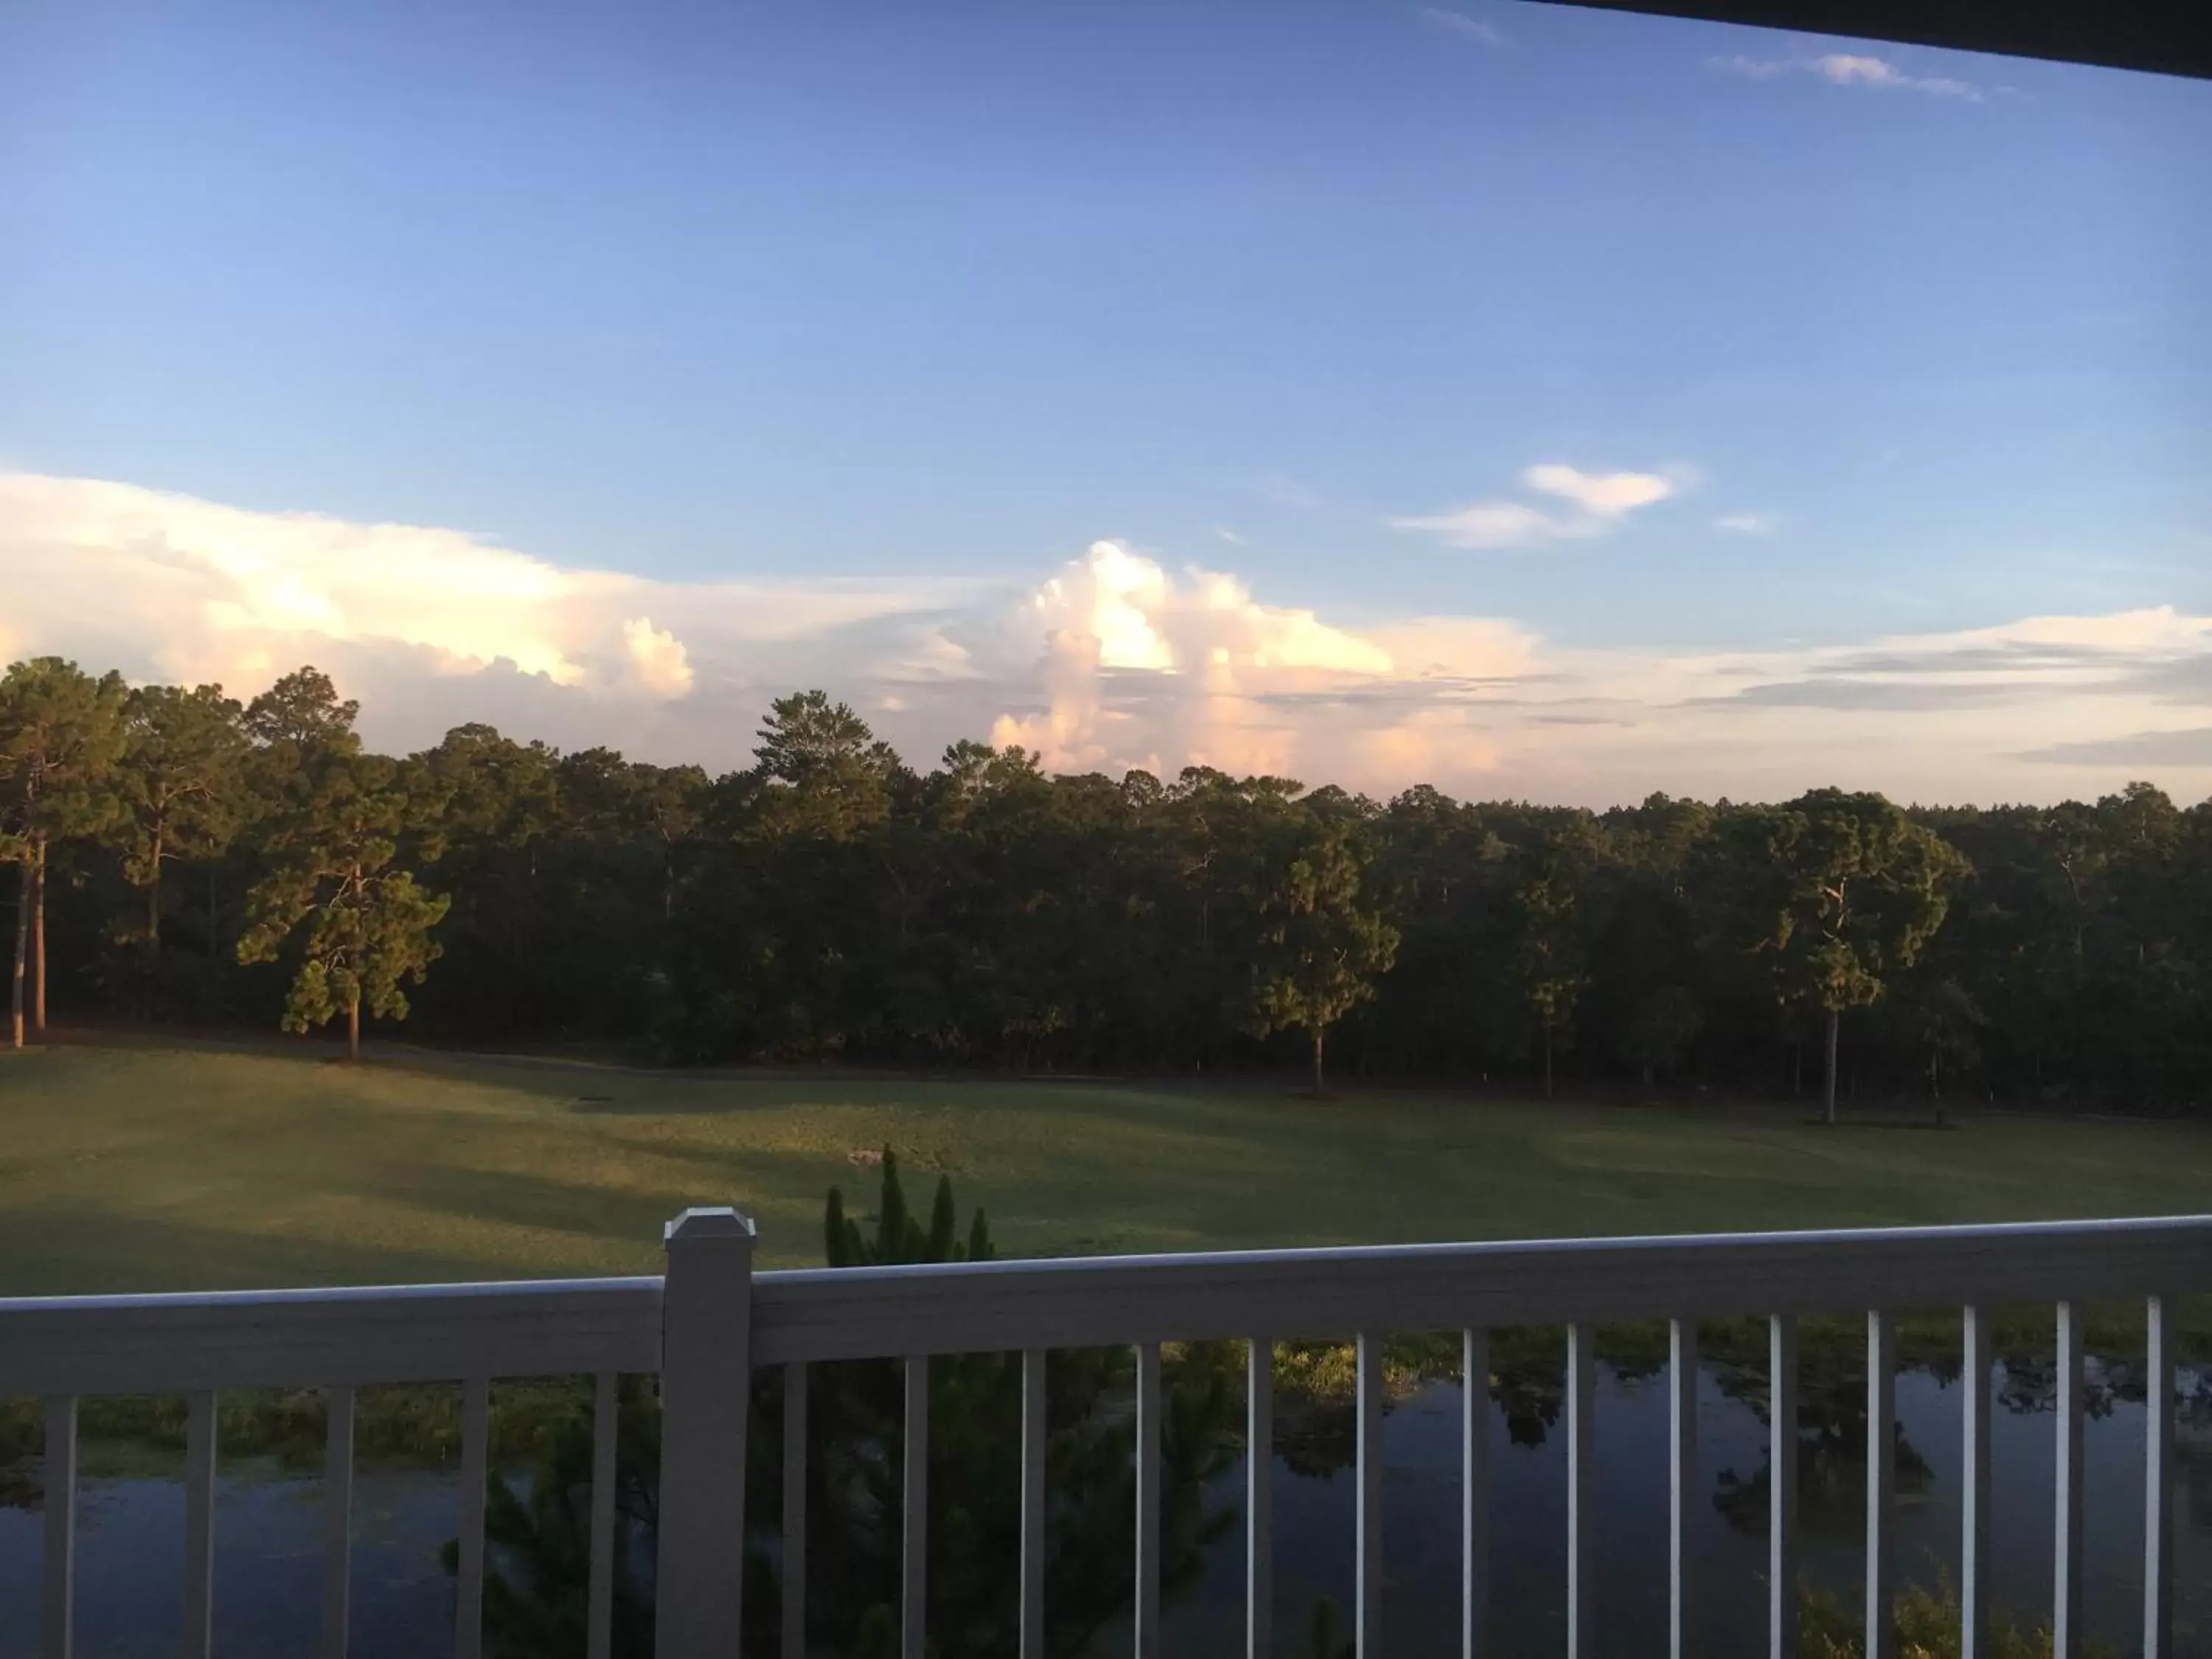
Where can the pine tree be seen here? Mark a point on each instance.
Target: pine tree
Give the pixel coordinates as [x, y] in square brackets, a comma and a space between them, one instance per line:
[1321, 947]
[61, 735]
[180, 784]
[367, 923]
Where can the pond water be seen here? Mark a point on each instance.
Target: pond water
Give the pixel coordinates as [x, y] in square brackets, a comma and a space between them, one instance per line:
[1314, 1522]
[269, 1528]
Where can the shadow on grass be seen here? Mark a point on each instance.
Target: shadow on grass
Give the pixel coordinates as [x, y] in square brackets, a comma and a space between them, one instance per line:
[507, 1198]
[1908, 1123]
[99, 1252]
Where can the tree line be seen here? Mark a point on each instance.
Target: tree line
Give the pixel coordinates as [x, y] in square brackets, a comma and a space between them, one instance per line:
[184, 856]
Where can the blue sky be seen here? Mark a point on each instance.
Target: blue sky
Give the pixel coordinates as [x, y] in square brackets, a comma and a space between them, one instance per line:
[889, 293]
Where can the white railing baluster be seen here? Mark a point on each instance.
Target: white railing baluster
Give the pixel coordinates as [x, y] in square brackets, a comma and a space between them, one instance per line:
[1974, 1487]
[1474, 1494]
[2066, 1520]
[1781, 1487]
[58, 1526]
[795, 1511]
[1581, 1491]
[199, 1526]
[606, 1439]
[914, 1502]
[1882, 1485]
[706, 1405]
[1036, 1442]
[1148, 1501]
[2157, 1481]
[1682, 1476]
[338, 1520]
[1367, 1583]
[1260, 1499]
[475, 1477]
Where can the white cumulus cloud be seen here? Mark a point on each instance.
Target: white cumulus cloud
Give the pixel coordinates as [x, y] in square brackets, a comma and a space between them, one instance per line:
[1115, 618]
[1116, 657]
[658, 659]
[170, 586]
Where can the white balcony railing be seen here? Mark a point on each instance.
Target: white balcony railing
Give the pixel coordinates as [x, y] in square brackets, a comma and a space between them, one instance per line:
[711, 1321]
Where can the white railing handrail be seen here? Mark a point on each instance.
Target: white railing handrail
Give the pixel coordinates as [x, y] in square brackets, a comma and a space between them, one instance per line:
[181, 1340]
[188, 1342]
[293, 1296]
[857, 1313]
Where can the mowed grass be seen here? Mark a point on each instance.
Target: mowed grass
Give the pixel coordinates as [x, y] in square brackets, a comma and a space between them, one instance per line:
[140, 1168]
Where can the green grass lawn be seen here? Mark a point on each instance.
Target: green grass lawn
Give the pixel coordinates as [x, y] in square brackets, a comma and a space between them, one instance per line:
[141, 1168]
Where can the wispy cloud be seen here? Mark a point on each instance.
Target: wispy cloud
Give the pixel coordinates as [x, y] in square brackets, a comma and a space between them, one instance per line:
[2191, 746]
[1228, 535]
[1850, 68]
[1745, 524]
[1600, 501]
[1459, 23]
[1483, 525]
[1114, 658]
[1280, 489]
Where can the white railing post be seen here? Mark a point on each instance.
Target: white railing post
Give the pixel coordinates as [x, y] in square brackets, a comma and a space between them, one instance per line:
[1882, 1485]
[200, 1436]
[1581, 1413]
[599, 1594]
[914, 1507]
[706, 1388]
[1259, 1499]
[1781, 1487]
[1036, 1440]
[2066, 1621]
[1682, 1478]
[1148, 1501]
[476, 1496]
[794, 1586]
[1974, 1498]
[338, 1404]
[58, 1638]
[1367, 1473]
[1474, 1494]
[2157, 1481]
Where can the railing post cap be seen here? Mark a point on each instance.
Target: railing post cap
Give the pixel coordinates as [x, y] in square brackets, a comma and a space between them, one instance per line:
[698, 1225]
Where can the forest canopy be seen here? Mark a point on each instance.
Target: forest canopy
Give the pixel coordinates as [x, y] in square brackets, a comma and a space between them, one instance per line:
[181, 855]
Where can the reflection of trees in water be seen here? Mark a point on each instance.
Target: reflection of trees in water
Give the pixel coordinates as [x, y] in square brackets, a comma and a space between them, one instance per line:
[539, 1522]
[1830, 1481]
[1831, 1443]
[1831, 1426]
[408, 1426]
[1316, 1429]
[538, 1525]
[537, 1531]
[974, 1463]
[2192, 1446]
